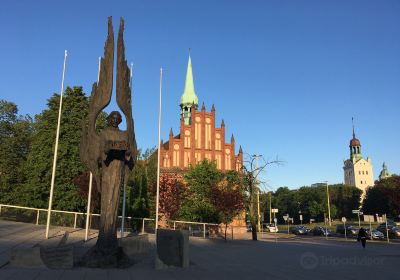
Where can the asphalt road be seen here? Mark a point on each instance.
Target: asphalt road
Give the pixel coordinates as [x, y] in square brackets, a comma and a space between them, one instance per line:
[288, 258]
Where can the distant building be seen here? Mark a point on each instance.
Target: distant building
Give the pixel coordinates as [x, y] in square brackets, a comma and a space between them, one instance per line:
[357, 170]
[198, 137]
[316, 185]
[384, 173]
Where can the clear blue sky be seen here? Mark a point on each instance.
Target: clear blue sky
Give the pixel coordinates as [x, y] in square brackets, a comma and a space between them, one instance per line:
[286, 76]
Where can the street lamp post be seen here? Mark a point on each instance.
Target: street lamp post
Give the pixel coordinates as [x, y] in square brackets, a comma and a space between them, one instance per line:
[329, 206]
[270, 207]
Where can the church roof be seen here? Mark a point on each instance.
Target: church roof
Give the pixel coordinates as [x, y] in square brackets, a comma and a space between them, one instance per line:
[189, 95]
[354, 142]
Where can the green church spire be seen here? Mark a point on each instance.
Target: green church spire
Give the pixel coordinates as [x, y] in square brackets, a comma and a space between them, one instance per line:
[189, 96]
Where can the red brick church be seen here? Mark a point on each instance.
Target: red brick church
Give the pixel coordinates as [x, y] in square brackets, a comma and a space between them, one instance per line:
[198, 137]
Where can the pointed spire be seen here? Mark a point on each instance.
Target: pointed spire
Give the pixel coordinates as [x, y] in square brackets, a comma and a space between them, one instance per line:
[212, 108]
[222, 123]
[189, 95]
[352, 122]
[240, 149]
[203, 107]
[232, 139]
[171, 133]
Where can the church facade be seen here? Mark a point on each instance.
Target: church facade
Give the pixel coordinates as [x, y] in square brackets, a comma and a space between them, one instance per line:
[199, 138]
[357, 170]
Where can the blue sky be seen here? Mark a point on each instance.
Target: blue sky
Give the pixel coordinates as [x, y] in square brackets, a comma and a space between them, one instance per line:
[286, 76]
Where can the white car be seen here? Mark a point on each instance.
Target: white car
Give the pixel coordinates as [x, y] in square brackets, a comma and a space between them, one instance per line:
[273, 228]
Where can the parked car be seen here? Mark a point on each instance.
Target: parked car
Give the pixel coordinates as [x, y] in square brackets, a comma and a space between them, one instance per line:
[321, 231]
[374, 234]
[299, 230]
[350, 229]
[271, 227]
[393, 230]
[197, 231]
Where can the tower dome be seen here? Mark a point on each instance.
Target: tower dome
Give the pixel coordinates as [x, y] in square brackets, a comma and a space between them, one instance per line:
[355, 142]
[384, 173]
[355, 146]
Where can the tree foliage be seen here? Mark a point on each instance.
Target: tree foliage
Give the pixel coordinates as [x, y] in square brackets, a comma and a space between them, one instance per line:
[383, 198]
[15, 140]
[311, 202]
[171, 194]
[228, 198]
[40, 158]
[201, 179]
[144, 173]
[202, 194]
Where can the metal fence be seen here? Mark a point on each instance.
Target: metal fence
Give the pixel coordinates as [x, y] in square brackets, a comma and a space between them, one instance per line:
[78, 220]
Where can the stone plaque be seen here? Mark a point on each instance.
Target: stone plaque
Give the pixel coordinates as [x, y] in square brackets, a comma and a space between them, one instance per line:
[117, 145]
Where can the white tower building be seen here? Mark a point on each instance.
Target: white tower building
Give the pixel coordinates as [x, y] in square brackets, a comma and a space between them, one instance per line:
[357, 170]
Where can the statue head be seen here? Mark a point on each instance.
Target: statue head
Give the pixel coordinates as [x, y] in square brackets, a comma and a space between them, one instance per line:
[114, 119]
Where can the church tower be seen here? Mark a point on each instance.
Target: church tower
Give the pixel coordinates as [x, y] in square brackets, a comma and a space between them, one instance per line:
[357, 170]
[189, 98]
[199, 137]
[384, 173]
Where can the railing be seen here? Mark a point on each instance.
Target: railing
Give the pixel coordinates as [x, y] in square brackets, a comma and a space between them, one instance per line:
[195, 231]
[195, 228]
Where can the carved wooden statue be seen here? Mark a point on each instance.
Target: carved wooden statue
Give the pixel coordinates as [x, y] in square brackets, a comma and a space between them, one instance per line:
[111, 154]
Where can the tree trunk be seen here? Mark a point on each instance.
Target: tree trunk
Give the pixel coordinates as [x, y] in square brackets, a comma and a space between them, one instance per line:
[253, 218]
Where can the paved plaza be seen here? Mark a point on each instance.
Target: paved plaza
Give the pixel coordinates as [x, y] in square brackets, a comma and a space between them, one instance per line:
[288, 258]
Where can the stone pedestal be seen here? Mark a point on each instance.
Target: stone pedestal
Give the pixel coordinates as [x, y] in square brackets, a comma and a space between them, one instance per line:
[27, 257]
[172, 248]
[133, 245]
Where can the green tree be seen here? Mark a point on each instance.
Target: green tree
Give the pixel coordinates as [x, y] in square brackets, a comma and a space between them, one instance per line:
[15, 139]
[144, 174]
[345, 198]
[40, 158]
[140, 206]
[383, 198]
[201, 179]
[287, 202]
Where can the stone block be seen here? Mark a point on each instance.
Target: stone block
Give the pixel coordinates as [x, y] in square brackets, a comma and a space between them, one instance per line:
[26, 257]
[172, 248]
[61, 257]
[133, 245]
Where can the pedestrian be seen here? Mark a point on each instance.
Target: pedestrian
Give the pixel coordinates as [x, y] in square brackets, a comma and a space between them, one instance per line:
[362, 236]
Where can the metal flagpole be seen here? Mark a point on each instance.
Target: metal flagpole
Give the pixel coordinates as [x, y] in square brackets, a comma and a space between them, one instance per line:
[124, 190]
[159, 151]
[90, 179]
[53, 175]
